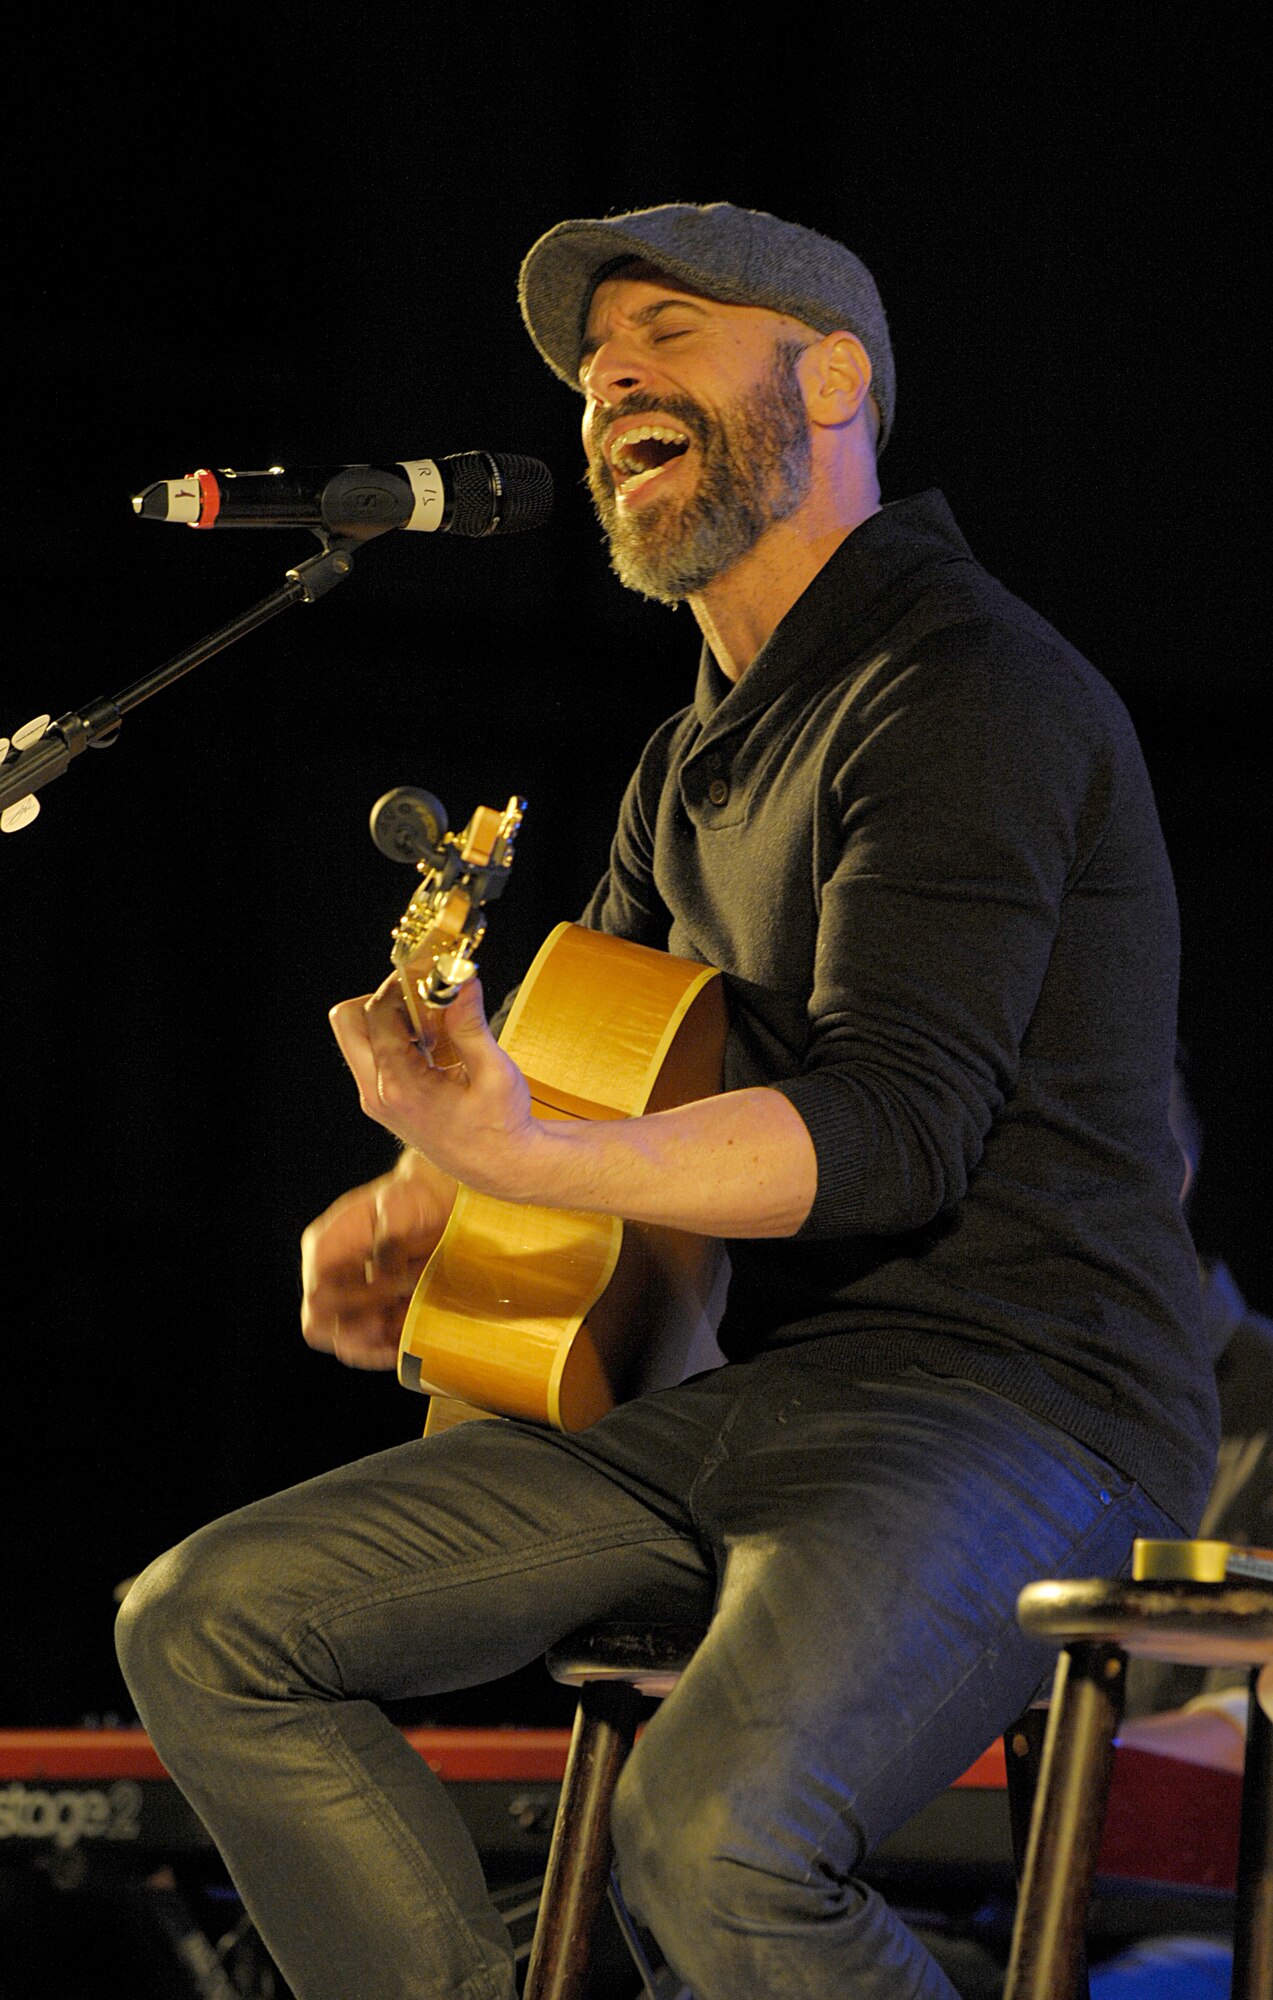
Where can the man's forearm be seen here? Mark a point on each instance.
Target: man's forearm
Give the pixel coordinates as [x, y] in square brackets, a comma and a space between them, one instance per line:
[741, 1164]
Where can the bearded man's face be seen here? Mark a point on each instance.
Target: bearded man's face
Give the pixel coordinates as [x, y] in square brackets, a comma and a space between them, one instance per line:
[754, 467]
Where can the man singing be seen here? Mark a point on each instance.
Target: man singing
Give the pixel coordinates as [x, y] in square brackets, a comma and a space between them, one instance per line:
[913, 828]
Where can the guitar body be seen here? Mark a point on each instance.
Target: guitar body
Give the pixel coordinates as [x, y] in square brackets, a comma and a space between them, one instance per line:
[545, 1313]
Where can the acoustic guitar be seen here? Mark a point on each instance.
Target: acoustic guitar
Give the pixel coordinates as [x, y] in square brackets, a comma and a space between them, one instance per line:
[543, 1313]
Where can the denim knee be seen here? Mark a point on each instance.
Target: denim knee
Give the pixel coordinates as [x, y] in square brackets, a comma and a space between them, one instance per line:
[186, 1625]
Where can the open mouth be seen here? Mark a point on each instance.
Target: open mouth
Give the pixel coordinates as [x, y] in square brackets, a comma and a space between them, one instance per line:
[641, 450]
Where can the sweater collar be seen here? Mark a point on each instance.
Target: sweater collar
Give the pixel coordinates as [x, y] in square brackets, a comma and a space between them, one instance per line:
[900, 547]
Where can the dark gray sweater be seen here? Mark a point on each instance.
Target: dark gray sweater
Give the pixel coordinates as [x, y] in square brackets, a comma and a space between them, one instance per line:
[919, 840]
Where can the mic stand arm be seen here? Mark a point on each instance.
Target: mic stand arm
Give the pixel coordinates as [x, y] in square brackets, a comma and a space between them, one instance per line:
[97, 725]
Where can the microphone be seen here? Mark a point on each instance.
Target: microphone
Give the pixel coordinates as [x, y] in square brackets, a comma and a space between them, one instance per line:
[467, 493]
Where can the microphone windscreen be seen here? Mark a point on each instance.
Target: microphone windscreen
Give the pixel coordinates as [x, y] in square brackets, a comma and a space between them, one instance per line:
[528, 493]
[497, 493]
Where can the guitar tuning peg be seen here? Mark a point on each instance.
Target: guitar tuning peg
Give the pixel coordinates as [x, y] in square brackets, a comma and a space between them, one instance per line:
[453, 970]
[30, 732]
[20, 814]
[22, 811]
[408, 824]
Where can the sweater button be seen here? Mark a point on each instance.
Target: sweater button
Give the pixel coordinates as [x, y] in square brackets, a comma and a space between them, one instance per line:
[718, 791]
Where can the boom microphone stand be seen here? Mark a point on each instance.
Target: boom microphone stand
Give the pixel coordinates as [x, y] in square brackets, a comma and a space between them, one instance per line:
[44, 749]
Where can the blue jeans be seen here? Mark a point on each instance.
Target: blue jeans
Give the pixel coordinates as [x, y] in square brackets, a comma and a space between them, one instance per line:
[858, 1547]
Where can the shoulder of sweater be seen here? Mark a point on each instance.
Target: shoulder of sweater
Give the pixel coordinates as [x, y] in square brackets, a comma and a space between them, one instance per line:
[964, 636]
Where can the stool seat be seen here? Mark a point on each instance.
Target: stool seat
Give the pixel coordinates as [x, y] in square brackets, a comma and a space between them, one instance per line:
[650, 1658]
[1190, 1624]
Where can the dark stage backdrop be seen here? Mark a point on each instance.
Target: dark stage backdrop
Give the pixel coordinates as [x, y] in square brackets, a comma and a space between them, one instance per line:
[240, 238]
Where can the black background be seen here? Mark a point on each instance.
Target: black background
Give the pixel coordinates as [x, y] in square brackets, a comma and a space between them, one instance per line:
[290, 235]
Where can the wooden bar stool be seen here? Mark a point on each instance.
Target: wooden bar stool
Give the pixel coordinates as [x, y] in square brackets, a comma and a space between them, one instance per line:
[616, 1669]
[1192, 1603]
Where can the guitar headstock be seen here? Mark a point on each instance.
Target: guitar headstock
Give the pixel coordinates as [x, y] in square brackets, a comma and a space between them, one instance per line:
[460, 876]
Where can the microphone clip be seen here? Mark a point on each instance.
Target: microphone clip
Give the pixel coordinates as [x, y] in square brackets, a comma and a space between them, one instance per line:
[323, 572]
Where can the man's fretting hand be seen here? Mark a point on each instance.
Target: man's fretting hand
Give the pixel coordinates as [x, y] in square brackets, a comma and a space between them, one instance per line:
[474, 1123]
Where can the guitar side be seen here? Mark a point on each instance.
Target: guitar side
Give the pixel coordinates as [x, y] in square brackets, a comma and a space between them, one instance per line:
[549, 1314]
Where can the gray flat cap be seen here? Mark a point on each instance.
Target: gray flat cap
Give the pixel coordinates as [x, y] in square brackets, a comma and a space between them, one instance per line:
[739, 255]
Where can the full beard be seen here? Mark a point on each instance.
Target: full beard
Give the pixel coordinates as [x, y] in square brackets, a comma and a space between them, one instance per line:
[755, 470]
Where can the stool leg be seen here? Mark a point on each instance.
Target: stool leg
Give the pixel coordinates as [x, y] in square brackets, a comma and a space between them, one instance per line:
[579, 1855]
[1078, 1758]
[1253, 1911]
[1022, 1756]
[1023, 1760]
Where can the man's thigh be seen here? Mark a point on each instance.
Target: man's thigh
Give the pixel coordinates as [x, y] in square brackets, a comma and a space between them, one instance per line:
[871, 1540]
[435, 1565]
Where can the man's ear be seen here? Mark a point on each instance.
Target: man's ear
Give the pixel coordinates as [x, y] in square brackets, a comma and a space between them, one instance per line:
[836, 374]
